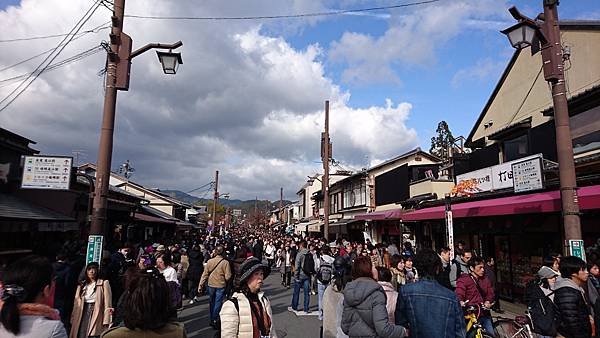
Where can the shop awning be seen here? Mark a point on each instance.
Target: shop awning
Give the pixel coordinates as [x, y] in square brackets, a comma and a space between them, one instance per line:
[152, 219]
[393, 214]
[14, 208]
[314, 226]
[301, 227]
[548, 201]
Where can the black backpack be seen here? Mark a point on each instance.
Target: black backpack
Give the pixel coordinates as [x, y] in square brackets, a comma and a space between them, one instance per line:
[543, 311]
[325, 272]
[309, 265]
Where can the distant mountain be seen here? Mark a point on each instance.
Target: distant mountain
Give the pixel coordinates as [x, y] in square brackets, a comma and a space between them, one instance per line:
[245, 206]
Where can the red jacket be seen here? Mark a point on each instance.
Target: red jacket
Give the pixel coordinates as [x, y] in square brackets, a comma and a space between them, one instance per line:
[467, 290]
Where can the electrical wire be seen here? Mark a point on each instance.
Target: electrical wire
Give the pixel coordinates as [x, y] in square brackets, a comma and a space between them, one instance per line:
[526, 96]
[20, 89]
[93, 30]
[207, 184]
[288, 16]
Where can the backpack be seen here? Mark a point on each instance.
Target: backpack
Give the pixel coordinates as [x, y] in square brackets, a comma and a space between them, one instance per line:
[325, 272]
[308, 267]
[234, 300]
[543, 311]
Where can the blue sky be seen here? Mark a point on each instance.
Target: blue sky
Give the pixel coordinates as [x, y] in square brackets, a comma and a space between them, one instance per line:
[254, 90]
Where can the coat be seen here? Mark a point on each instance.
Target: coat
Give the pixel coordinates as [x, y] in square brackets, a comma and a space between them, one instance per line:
[466, 289]
[37, 321]
[574, 311]
[365, 313]
[196, 266]
[392, 295]
[171, 330]
[217, 272]
[102, 315]
[239, 324]
[333, 307]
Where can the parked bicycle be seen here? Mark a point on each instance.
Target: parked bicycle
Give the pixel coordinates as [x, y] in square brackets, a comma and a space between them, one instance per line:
[520, 327]
[474, 327]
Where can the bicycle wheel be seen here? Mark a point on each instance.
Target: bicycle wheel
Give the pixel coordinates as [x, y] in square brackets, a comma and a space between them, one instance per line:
[506, 328]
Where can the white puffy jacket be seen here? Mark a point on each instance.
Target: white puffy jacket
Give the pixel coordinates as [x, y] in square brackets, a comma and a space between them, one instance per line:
[234, 324]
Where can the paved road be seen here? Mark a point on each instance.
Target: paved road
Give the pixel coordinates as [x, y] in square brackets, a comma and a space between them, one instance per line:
[287, 324]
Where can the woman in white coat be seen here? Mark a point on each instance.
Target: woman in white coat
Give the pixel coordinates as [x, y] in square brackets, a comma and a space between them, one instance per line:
[248, 313]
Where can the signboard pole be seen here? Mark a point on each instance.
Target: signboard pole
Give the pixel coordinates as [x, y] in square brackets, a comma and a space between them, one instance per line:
[449, 226]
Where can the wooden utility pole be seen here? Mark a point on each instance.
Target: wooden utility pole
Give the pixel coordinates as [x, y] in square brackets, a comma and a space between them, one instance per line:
[256, 211]
[215, 200]
[325, 158]
[281, 205]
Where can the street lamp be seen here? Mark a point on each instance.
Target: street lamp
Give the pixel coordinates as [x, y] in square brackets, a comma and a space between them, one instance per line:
[170, 61]
[543, 35]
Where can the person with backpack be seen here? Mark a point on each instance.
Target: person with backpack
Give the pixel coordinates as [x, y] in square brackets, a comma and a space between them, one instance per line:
[324, 275]
[574, 312]
[304, 269]
[460, 266]
[539, 297]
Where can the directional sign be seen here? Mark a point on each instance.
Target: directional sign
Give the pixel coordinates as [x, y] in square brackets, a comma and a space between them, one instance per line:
[94, 249]
[576, 248]
[46, 172]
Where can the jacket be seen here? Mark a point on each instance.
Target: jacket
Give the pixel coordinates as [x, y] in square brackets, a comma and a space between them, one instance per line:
[299, 273]
[443, 276]
[236, 323]
[457, 268]
[333, 307]
[37, 321]
[466, 289]
[573, 310]
[430, 310]
[171, 330]
[217, 272]
[392, 295]
[365, 313]
[102, 314]
[196, 267]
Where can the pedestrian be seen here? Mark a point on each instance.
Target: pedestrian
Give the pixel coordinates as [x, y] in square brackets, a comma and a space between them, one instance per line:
[410, 272]
[365, 313]
[397, 270]
[270, 254]
[460, 266]
[195, 272]
[164, 265]
[286, 266]
[376, 258]
[575, 318]
[216, 275]
[62, 277]
[302, 276]
[185, 266]
[333, 299]
[539, 297]
[92, 311]
[247, 313]
[475, 289]
[490, 274]
[324, 275]
[148, 312]
[26, 293]
[384, 278]
[427, 308]
[443, 275]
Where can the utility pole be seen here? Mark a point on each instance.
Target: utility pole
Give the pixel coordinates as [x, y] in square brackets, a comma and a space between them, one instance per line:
[215, 200]
[554, 73]
[100, 203]
[281, 204]
[325, 158]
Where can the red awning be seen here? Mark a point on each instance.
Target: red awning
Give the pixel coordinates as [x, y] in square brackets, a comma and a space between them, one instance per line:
[380, 215]
[152, 219]
[549, 201]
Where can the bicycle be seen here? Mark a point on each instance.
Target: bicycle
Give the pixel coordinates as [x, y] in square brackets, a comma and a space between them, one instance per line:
[474, 327]
[520, 327]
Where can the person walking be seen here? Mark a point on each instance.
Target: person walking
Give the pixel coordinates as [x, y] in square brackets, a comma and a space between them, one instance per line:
[216, 275]
[164, 265]
[490, 274]
[324, 275]
[26, 293]
[286, 266]
[384, 278]
[247, 314]
[410, 272]
[195, 271]
[539, 297]
[443, 275]
[333, 299]
[575, 318]
[475, 289]
[92, 311]
[460, 266]
[427, 308]
[365, 313]
[148, 311]
[270, 254]
[302, 276]
[62, 296]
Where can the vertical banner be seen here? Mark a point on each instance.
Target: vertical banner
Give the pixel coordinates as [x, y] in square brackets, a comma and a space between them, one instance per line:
[449, 226]
[94, 249]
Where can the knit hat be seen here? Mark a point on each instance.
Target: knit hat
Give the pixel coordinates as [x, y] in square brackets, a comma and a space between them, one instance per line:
[249, 266]
[546, 272]
[161, 248]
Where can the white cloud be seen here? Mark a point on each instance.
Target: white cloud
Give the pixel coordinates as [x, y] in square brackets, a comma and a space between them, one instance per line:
[244, 102]
[482, 70]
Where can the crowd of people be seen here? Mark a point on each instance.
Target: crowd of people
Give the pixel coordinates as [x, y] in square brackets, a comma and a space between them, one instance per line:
[363, 289]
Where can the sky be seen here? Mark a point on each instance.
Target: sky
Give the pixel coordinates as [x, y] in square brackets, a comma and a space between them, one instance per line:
[249, 98]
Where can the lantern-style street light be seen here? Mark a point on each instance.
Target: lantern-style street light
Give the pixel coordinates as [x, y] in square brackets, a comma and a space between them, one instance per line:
[170, 61]
[543, 35]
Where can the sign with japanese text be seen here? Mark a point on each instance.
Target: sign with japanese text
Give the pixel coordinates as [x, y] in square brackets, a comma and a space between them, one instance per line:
[94, 249]
[47, 172]
[576, 248]
[527, 175]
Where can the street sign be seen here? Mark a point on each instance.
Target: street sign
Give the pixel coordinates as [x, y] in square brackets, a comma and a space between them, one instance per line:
[94, 249]
[47, 172]
[527, 175]
[576, 248]
[450, 232]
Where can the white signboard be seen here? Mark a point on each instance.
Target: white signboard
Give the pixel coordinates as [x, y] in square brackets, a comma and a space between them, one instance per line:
[496, 177]
[47, 172]
[527, 175]
[450, 231]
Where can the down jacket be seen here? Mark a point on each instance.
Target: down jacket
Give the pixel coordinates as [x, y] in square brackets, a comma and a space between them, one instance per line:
[239, 324]
[574, 312]
[365, 313]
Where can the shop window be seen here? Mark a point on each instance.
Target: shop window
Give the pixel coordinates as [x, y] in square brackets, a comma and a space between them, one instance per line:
[355, 194]
[516, 148]
[585, 130]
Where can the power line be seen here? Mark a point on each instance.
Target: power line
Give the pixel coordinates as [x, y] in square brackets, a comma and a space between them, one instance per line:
[20, 89]
[200, 187]
[288, 16]
[93, 30]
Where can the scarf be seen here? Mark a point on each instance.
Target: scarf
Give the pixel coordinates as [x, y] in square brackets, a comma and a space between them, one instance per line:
[35, 309]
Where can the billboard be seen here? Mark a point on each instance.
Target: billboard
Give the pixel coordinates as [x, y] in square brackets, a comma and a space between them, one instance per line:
[47, 172]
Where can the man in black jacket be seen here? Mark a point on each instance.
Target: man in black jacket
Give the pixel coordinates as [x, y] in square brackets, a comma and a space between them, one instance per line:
[574, 317]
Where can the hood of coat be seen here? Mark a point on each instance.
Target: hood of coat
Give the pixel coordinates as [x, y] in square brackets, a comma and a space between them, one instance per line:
[360, 289]
[566, 283]
[387, 286]
[461, 262]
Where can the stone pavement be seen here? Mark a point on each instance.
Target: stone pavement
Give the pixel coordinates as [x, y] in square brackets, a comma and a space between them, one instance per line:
[287, 324]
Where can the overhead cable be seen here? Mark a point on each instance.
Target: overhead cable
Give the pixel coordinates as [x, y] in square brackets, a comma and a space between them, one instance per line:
[93, 30]
[283, 16]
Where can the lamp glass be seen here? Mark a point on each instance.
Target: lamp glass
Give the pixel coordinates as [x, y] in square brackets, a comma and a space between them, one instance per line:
[169, 62]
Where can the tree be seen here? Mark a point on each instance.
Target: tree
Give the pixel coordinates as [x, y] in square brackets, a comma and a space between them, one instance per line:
[442, 141]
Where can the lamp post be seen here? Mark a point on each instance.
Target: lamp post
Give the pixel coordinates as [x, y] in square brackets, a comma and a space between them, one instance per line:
[118, 67]
[543, 34]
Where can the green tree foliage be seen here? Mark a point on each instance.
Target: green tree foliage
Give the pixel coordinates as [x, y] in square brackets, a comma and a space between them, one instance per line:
[441, 142]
